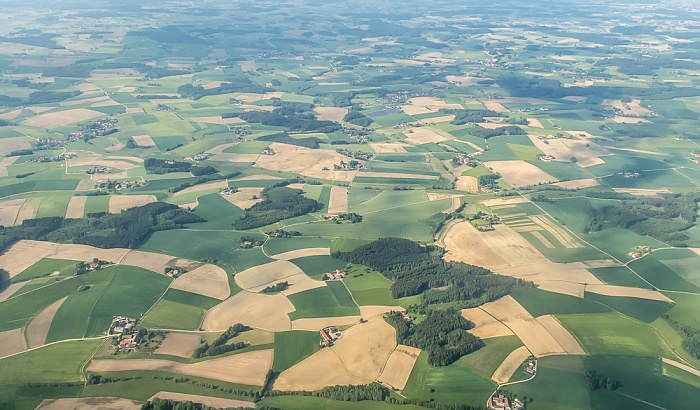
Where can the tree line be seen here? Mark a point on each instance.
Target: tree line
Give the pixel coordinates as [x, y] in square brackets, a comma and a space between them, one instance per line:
[219, 346]
[279, 202]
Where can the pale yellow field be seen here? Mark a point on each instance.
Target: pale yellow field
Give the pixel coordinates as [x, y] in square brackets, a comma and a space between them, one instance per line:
[215, 402]
[144, 140]
[388, 147]
[115, 147]
[331, 113]
[562, 336]
[425, 135]
[467, 184]
[317, 323]
[567, 288]
[244, 197]
[433, 103]
[456, 203]
[216, 119]
[251, 309]
[118, 203]
[689, 369]
[11, 115]
[9, 210]
[245, 368]
[207, 280]
[38, 328]
[84, 101]
[319, 370]
[494, 106]
[62, 118]
[178, 344]
[642, 191]
[261, 177]
[25, 253]
[510, 365]
[305, 161]
[6, 162]
[297, 283]
[547, 273]
[485, 325]
[375, 310]
[89, 403]
[500, 202]
[8, 145]
[366, 347]
[535, 337]
[559, 233]
[519, 173]
[578, 183]
[640, 293]
[210, 186]
[534, 122]
[218, 154]
[587, 153]
[134, 110]
[266, 274]
[156, 262]
[300, 253]
[416, 110]
[11, 342]
[399, 366]
[76, 207]
[339, 200]
[28, 210]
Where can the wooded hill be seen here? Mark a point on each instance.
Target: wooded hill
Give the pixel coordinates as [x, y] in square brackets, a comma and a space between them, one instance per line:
[279, 203]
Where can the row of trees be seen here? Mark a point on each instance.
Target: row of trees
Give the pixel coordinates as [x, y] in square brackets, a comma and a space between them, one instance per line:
[279, 202]
[219, 345]
[597, 381]
[284, 138]
[690, 336]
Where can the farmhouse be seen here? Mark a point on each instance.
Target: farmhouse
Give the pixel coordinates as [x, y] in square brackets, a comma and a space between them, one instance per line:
[129, 343]
[198, 157]
[121, 324]
[328, 336]
[336, 275]
[172, 272]
[228, 191]
[268, 151]
[546, 158]
[501, 402]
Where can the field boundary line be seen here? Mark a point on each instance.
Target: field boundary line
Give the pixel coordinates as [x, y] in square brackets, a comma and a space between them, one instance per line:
[56, 342]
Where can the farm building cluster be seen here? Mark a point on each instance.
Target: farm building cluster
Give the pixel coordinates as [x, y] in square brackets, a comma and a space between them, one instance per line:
[268, 151]
[639, 251]
[328, 336]
[228, 191]
[97, 169]
[116, 185]
[121, 325]
[197, 157]
[335, 274]
[501, 402]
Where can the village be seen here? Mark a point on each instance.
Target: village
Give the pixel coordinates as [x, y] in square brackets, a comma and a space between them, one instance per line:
[61, 157]
[639, 251]
[197, 157]
[94, 129]
[116, 185]
[364, 156]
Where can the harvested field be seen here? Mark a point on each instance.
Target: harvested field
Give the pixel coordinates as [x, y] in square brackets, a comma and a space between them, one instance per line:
[6, 163]
[8, 145]
[518, 173]
[76, 207]
[257, 177]
[399, 366]
[426, 135]
[84, 101]
[202, 187]
[433, 103]
[365, 348]
[11, 115]
[178, 344]
[548, 272]
[9, 210]
[559, 233]
[218, 154]
[503, 202]
[25, 253]
[510, 365]
[38, 328]
[252, 309]
[11, 290]
[456, 203]
[689, 369]
[118, 203]
[28, 210]
[116, 147]
[630, 109]
[578, 183]
[300, 253]
[207, 280]
[244, 197]
[502, 247]
[416, 110]
[247, 65]
[397, 175]
[467, 184]
[433, 196]
[212, 85]
[155, 262]
[215, 402]
[625, 291]
[388, 147]
[321, 322]
[535, 337]
[297, 283]
[305, 374]
[642, 191]
[534, 122]
[134, 110]
[62, 118]
[587, 153]
[215, 119]
[331, 113]
[562, 336]
[266, 273]
[485, 325]
[376, 310]
[89, 403]
[566, 288]
[494, 106]
[305, 161]
[11, 342]
[339, 200]
[245, 368]
[144, 141]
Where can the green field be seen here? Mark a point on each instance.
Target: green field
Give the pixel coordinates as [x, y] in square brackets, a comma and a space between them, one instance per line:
[612, 333]
[292, 347]
[368, 287]
[321, 302]
[620, 276]
[317, 266]
[487, 359]
[47, 267]
[131, 292]
[275, 246]
[218, 212]
[541, 302]
[660, 275]
[641, 309]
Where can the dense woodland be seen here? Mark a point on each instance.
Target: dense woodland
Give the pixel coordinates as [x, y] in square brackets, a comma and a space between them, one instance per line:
[357, 118]
[233, 85]
[419, 270]
[167, 404]
[279, 203]
[284, 138]
[124, 230]
[297, 117]
[663, 218]
[486, 133]
[443, 334]
[690, 336]
[465, 116]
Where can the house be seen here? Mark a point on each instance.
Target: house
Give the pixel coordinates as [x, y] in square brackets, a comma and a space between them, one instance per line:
[328, 335]
[336, 275]
[499, 403]
[546, 158]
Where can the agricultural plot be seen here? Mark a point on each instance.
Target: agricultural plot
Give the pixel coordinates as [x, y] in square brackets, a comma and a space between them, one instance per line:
[207, 280]
[251, 309]
[327, 301]
[292, 347]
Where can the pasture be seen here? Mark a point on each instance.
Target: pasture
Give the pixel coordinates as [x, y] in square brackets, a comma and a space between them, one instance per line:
[293, 346]
[325, 301]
